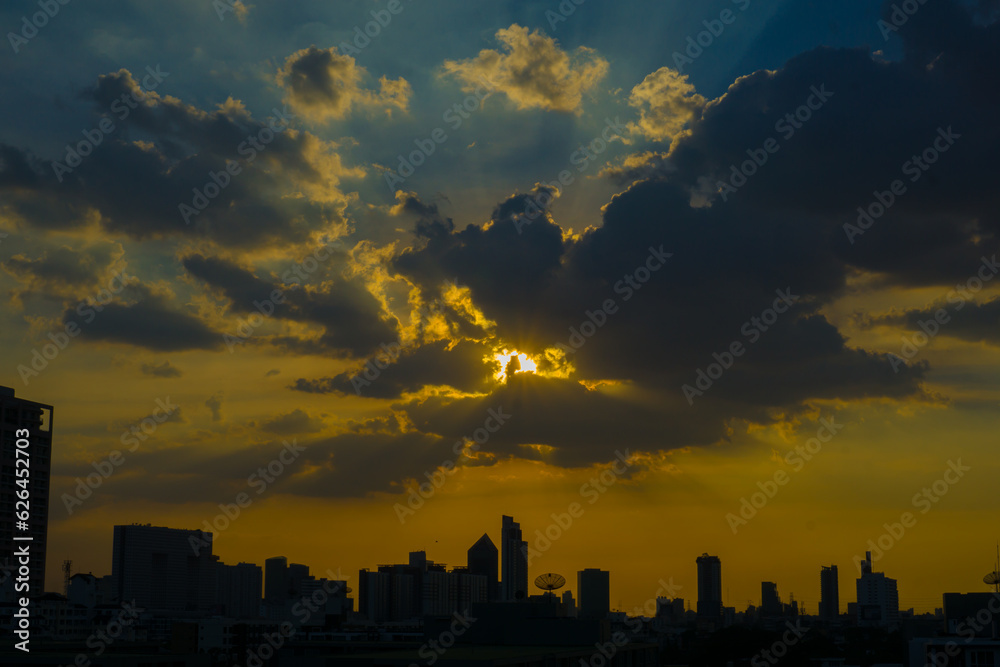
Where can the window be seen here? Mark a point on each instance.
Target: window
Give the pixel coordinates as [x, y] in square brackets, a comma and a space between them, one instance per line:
[981, 659]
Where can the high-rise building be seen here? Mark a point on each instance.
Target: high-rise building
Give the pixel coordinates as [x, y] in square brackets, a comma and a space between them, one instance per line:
[829, 594]
[878, 598]
[483, 559]
[276, 583]
[770, 601]
[158, 569]
[514, 556]
[593, 587]
[709, 588]
[238, 589]
[25, 435]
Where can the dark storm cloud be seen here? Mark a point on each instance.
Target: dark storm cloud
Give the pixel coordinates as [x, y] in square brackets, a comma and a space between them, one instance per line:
[159, 152]
[459, 366]
[350, 315]
[780, 232]
[296, 422]
[968, 321]
[152, 321]
[64, 272]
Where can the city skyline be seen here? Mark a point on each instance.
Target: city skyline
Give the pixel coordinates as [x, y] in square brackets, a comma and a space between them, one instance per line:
[342, 282]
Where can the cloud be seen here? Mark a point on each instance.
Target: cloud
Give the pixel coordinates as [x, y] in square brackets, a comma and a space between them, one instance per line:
[293, 423]
[285, 190]
[147, 318]
[667, 102]
[351, 318]
[164, 370]
[532, 71]
[324, 85]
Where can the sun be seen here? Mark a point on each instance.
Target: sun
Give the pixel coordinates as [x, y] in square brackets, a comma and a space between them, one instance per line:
[522, 363]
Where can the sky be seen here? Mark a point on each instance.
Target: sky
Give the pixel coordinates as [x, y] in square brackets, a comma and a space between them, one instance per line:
[271, 263]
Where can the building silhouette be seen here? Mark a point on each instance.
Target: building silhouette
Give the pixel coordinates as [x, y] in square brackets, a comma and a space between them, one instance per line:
[709, 589]
[770, 601]
[418, 588]
[276, 581]
[238, 589]
[514, 556]
[16, 416]
[483, 559]
[158, 569]
[878, 598]
[593, 586]
[829, 594]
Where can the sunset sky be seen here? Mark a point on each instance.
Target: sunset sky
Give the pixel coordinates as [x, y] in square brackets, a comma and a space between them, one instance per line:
[712, 231]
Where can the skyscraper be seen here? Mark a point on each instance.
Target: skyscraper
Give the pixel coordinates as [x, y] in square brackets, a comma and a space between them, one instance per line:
[238, 589]
[483, 559]
[770, 601]
[593, 587]
[829, 594]
[709, 588]
[514, 582]
[878, 598]
[25, 434]
[276, 584]
[158, 569]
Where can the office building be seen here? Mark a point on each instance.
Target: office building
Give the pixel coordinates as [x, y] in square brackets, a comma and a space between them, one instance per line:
[770, 601]
[514, 561]
[276, 584]
[17, 416]
[878, 598]
[238, 589]
[829, 594]
[709, 588]
[158, 568]
[593, 587]
[483, 559]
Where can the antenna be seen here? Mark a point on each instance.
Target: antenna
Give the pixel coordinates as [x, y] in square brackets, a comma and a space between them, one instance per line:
[993, 578]
[550, 581]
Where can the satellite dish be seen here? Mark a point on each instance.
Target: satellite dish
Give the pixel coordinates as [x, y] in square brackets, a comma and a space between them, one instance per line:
[550, 581]
[993, 579]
